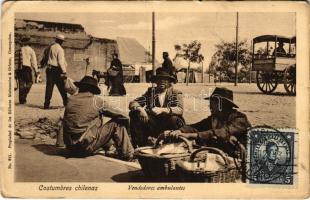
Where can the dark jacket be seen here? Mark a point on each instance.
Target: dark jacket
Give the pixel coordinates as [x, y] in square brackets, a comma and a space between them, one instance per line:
[235, 124]
[82, 113]
[149, 100]
[168, 66]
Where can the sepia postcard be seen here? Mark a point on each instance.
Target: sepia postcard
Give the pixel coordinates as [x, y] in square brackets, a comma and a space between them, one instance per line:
[115, 99]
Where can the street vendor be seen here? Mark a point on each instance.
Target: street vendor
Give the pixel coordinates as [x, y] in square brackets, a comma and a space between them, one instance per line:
[223, 129]
[84, 133]
[160, 108]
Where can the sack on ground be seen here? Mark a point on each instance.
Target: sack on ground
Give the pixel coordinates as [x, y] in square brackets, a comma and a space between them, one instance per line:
[70, 87]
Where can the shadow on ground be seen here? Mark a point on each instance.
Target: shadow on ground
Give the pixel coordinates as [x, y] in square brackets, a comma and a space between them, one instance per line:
[51, 150]
[130, 176]
[39, 106]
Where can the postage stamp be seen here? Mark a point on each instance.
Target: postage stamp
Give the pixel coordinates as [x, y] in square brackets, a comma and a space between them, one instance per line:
[270, 156]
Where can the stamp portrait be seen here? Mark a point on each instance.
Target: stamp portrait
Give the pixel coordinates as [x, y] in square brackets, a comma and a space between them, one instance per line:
[271, 156]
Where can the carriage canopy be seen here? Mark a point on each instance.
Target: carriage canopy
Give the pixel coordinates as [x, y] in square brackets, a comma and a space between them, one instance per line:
[274, 38]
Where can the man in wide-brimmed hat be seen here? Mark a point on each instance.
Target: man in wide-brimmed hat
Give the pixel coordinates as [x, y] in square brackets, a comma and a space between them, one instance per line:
[160, 108]
[84, 132]
[56, 70]
[26, 64]
[223, 129]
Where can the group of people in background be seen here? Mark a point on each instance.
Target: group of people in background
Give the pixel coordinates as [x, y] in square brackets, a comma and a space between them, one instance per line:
[156, 113]
[53, 60]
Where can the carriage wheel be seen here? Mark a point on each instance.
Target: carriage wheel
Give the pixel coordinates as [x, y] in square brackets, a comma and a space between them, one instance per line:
[266, 81]
[128, 79]
[289, 80]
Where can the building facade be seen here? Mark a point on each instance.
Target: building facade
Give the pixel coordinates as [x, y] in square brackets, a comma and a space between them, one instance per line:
[78, 45]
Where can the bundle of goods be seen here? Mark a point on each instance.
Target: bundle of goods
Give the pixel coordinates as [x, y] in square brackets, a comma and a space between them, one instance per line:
[216, 167]
[158, 162]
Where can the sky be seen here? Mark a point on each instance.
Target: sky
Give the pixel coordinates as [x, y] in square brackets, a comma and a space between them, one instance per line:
[176, 28]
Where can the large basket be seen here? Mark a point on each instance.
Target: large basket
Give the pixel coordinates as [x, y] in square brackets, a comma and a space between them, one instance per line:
[229, 173]
[161, 167]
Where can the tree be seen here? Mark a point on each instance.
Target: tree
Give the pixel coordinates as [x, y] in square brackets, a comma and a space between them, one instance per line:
[223, 60]
[191, 53]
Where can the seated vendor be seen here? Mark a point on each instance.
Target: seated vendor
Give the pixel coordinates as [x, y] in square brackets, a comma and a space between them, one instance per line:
[223, 129]
[84, 132]
[160, 108]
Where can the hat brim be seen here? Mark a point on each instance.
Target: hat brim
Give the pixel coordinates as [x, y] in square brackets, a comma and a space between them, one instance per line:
[154, 78]
[93, 89]
[227, 100]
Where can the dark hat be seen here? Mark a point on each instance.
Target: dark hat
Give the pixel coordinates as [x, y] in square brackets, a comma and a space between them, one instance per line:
[165, 53]
[162, 74]
[90, 83]
[225, 94]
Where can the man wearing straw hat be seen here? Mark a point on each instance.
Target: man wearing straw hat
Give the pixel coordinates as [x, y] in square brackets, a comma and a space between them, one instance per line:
[56, 70]
[27, 61]
[160, 108]
[223, 129]
[84, 133]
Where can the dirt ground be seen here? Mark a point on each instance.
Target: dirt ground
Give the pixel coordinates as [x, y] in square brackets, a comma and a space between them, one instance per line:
[277, 110]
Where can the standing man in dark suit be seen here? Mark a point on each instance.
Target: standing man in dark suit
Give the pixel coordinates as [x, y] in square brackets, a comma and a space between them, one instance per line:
[56, 70]
[160, 108]
[168, 65]
[115, 76]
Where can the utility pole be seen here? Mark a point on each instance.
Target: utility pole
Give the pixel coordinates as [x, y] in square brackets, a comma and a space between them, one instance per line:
[202, 72]
[237, 61]
[251, 62]
[153, 42]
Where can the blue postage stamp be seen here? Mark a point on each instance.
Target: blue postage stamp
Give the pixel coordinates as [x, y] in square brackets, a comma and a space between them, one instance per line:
[270, 158]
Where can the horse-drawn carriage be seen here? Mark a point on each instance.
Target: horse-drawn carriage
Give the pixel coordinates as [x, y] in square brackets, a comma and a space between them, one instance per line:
[274, 60]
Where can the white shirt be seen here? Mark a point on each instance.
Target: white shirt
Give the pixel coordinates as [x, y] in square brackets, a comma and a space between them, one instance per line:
[29, 57]
[57, 57]
[161, 98]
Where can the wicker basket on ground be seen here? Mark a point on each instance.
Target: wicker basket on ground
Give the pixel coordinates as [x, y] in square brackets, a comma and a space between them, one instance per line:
[197, 171]
[161, 167]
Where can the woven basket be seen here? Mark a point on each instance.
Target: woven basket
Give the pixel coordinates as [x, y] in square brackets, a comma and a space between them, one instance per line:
[229, 173]
[161, 167]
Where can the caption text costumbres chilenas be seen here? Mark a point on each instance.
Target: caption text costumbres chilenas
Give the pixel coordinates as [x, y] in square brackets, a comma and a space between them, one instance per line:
[95, 188]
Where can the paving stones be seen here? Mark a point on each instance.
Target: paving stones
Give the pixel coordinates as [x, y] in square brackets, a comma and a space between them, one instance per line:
[36, 130]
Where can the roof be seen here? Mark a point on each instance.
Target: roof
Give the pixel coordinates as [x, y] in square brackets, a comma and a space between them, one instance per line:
[131, 51]
[265, 38]
[75, 41]
[76, 26]
[102, 40]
